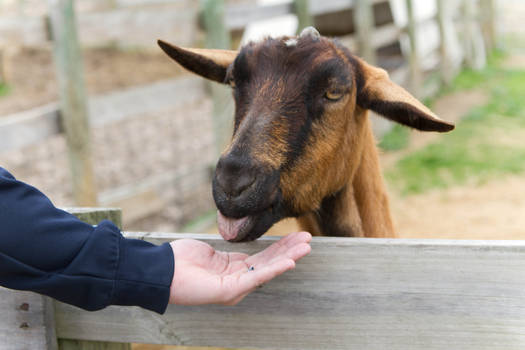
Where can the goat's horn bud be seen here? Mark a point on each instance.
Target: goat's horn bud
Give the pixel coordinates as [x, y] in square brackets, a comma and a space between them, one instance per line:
[310, 31]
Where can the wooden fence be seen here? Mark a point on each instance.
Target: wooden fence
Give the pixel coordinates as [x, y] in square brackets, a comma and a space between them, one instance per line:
[218, 21]
[349, 293]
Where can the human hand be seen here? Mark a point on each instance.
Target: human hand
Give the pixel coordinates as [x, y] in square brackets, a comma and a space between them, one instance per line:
[205, 276]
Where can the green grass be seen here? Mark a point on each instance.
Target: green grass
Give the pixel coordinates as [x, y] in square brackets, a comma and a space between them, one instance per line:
[487, 143]
[4, 89]
[396, 139]
[201, 222]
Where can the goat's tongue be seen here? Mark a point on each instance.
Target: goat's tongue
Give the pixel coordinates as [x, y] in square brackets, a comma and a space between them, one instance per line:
[228, 227]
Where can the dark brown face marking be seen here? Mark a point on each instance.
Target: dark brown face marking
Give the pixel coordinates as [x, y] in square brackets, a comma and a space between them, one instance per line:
[283, 94]
[280, 91]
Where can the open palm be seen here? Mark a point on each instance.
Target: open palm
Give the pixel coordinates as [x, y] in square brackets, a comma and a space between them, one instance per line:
[205, 276]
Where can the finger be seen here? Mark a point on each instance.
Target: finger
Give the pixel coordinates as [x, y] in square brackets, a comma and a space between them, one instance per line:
[277, 248]
[299, 251]
[295, 253]
[280, 248]
[296, 237]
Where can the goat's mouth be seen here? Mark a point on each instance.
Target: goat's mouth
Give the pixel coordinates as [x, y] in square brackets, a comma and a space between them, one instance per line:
[247, 228]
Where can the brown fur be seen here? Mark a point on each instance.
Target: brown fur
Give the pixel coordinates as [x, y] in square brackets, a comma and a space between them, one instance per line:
[361, 208]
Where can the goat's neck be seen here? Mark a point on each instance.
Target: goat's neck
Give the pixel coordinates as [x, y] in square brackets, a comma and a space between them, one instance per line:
[360, 208]
[370, 193]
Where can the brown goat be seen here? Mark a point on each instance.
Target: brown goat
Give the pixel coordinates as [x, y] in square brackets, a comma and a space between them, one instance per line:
[302, 144]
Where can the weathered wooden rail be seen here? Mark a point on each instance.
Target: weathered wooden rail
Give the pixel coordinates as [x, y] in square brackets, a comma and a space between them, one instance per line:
[36, 125]
[347, 294]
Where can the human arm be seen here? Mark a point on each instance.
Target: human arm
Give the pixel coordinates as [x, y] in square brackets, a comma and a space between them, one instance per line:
[48, 251]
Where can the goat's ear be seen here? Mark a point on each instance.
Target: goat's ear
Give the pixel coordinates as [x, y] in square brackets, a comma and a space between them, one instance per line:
[208, 63]
[381, 95]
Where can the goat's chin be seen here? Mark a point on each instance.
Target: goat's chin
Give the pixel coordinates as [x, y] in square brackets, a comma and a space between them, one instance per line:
[247, 228]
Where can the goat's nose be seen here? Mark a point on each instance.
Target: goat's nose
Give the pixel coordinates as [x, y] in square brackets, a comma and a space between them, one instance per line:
[234, 175]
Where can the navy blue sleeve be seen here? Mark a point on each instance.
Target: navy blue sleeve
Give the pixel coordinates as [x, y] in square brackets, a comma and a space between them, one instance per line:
[49, 251]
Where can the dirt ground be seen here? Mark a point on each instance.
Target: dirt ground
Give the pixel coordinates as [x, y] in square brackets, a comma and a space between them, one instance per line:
[494, 210]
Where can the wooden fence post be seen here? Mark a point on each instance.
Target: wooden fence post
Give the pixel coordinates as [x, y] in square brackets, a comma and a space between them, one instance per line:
[302, 11]
[446, 68]
[218, 37]
[69, 68]
[3, 58]
[488, 12]
[475, 53]
[49, 322]
[364, 22]
[467, 9]
[93, 216]
[415, 67]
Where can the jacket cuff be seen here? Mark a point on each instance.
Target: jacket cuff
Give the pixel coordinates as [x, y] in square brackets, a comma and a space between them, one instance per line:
[144, 275]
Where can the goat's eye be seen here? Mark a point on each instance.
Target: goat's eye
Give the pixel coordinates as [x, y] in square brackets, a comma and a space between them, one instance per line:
[333, 95]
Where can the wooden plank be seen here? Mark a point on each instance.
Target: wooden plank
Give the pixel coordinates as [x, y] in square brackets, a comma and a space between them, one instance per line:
[382, 36]
[133, 28]
[93, 216]
[73, 104]
[36, 125]
[217, 34]
[302, 11]
[68, 344]
[22, 324]
[475, 54]
[49, 323]
[127, 3]
[218, 37]
[30, 127]
[385, 35]
[143, 198]
[488, 15]
[364, 22]
[414, 60]
[239, 16]
[141, 205]
[347, 294]
[143, 100]
[320, 7]
[123, 26]
[23, 31]
[3, 67]
[446, 68]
